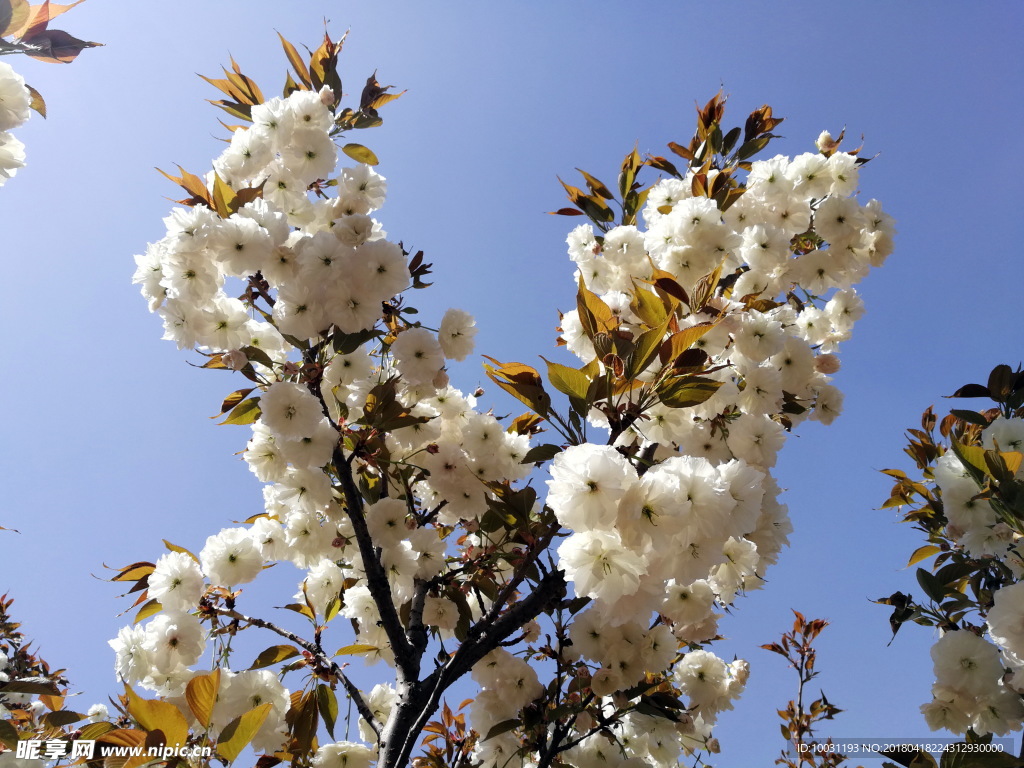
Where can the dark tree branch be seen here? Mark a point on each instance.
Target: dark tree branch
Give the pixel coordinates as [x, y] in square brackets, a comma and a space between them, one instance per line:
[357, 697]
[406, 657]
[418, 702]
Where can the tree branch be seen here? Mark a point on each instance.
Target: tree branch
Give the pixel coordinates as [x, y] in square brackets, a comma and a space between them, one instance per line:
[406, 658]
[354, 693]
[410, 717]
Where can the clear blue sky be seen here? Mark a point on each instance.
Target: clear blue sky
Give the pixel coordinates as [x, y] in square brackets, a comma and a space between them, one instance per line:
[108, 448]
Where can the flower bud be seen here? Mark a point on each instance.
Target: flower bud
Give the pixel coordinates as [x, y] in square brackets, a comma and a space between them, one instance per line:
[827, 363]
[235, 359]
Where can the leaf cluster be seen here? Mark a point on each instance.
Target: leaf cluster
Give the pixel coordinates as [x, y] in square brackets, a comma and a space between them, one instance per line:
[798, 719]
[24, 28]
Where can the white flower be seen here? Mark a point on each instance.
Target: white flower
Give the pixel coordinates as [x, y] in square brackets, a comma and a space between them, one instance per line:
[966, 662]
[290, 411]
[12, 156]
[688, 604]
[173, 640]
[15, 100]
[440, 612]
[365, 183]
[323, 584]
[456, 334]
[418, 355]
[587, 482]
[231, 557]
[344, 754]
[176, 582]
[380, 266]
[600, 566]
[1006, 618]
[704, 678]
[132, 661]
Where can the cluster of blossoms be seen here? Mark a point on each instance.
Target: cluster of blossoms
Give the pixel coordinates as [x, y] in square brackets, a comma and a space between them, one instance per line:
[15, 103]
[702, 522]
[395, 496]
[325, 265]
[979, 682]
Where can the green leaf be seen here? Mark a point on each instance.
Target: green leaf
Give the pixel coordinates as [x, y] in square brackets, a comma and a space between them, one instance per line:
[8, 735]
[687, 391]
[62, 717]
[541, 453]
[648, 306]
[240, 731]
[273, 655]
[246, 412]
[752, 147]
[224, 198]
[522, 382]
[647, 346]
[299, 608]
[328, 705]
[971, 417]
[596, 186]
[31, 686]
[503, 727]
[568, 381]
[595, 316]
[93, 731]
[360, 154]
[155, 715]
[932, 587]
[332, 609]
[232, 400]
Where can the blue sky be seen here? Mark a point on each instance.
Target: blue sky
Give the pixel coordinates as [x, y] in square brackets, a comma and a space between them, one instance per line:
[108, 449]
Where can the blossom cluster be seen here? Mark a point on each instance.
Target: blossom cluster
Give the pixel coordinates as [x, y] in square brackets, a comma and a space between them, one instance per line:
[979, 681]
[15, 105]
[357, 434]
[325, 266]
[701, 523]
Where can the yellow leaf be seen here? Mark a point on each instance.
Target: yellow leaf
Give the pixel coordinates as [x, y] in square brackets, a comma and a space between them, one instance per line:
[296, 61]
[14, 16]
[201, 695]
[37, 100]
[923, 553]
[240, 731]
[352, 650]
[182, 550]
[1013, 460]
[224, 198]
[595, 316]
[683, 340]
[152, 608]
[161, 716]
[273, 655]
[360, 154]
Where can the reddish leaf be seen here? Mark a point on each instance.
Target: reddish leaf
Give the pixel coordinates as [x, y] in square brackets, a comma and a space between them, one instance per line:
[57, 46]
